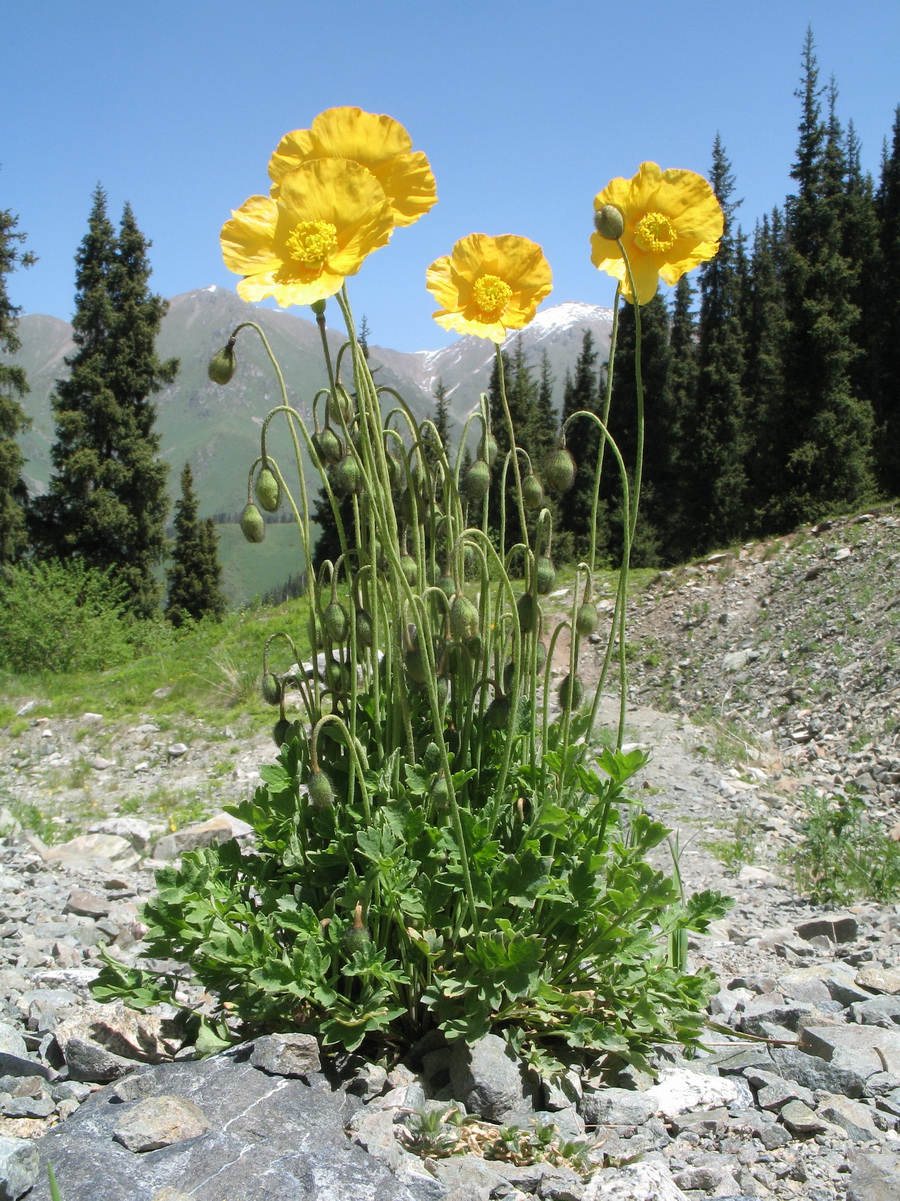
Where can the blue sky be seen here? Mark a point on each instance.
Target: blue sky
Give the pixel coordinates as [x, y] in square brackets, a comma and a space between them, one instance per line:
[525, 111]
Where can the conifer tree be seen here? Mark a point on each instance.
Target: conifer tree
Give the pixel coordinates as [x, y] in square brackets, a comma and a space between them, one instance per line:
[546, 421]
[669, 499]
[714, 432]
[194, 577]
[765, 334]
[623, 425]
[823, 429]
[107, 500]
[13, 385]
[884, 316]
[522, 393]
[583, 437]
[441, 420]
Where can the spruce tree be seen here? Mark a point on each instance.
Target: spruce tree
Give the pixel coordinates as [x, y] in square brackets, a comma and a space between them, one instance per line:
[765, 334]
[669, 500]
[884, 316]
[824, 429]
[583, 438]
[714, 433]
[623, 426]
[440, 418]
[194, 577]
[13, 385]
[107, 501]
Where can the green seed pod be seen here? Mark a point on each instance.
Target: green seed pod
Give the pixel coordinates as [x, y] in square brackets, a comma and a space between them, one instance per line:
[529, 612]
[363, 628]
[532, 492]
[347, 477]
[222, 365]
[559, 470]
[357, 938]
[464, 619]
[409, 569]
[609, 222]
[340, 407]
[336, 621]
[477, 480]
[571, 693]
[545, 576]
[446, 584]
[252, 525]
[271, 689]
[587, 619]
[442, 686]
[329, 447]
[280, 731]
[321, 790]
[268, 490]
[488, 449]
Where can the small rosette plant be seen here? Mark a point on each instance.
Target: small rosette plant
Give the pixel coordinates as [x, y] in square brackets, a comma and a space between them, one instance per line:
[437, 845]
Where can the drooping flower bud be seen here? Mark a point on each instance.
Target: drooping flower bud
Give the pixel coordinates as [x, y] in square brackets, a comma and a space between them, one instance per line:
[545, 576]
[464, 619]
[321, 790]
[529, 611]
[559, 470]
[268, 490]
[477, 480]
[347, 477]
[222, 365]
[336, 621]
[252, 525]
[609, 222]
[271, 689]
[532, 492]
[488, 449]
[587, 619]
[571, 693]
[329, 447]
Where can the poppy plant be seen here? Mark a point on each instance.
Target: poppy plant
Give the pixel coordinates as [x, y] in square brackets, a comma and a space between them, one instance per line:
[489, 286]
[670, 222]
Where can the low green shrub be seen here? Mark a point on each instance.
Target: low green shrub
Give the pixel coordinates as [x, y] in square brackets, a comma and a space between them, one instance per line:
[63, 617]
[844, 855]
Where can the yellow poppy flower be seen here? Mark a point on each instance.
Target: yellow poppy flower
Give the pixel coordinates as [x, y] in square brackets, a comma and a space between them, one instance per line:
[378, 143]
[299, 248]
[672, 222]
[488, 286]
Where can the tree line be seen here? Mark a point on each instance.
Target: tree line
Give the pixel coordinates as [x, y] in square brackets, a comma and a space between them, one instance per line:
[106, 505]
[771, 385]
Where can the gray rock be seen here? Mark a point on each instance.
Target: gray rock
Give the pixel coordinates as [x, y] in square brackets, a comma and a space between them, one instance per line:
[866, 1050]
[218, 828]
[802, 1120]
[636, 1182]
[19, 1167]
[837, 927]
[160, 1122]
[814, 1072]
[93, 851]
[881, 1011]
[286, 1054]
[851, 1116]
[100, 1043]
[873, 1177]
[616, 1107]
[488, 1078]
[277, 1130]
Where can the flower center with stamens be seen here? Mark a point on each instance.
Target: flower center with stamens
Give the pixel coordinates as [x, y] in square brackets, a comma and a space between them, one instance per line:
[311, 243]
[655, 233]
[491, 295]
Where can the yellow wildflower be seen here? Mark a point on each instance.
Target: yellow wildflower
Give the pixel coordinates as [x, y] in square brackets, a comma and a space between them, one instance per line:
[488, 286]
[672, 222]
[378, 143]
[298, 248]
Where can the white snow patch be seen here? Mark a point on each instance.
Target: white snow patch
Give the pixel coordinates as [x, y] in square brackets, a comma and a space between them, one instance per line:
[561, 316]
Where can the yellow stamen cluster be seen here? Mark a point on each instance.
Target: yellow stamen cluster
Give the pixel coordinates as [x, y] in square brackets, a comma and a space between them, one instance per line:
[654, 233]
[311, 243]
[491, 295]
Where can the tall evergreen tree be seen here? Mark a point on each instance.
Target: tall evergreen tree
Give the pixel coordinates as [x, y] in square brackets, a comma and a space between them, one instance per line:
[623, 425]
[13, 386]
[194, 577]
[669, 500]
[884, 316]
[107, 500]
[765, 335]
[522, 392]
[441, 421]
[824, 430]
[546, 421]
[583, 437]
[715, 437]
